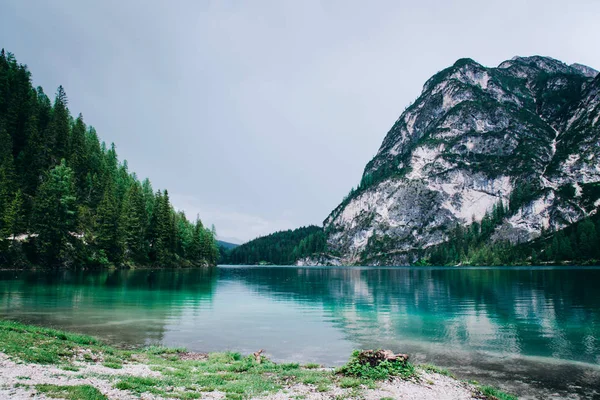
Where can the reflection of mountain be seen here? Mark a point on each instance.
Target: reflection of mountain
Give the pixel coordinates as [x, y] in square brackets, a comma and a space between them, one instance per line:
[500, 321]
[127, 307]
[493, 325]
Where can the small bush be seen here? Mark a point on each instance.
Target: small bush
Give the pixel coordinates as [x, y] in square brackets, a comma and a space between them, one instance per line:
[381, 370]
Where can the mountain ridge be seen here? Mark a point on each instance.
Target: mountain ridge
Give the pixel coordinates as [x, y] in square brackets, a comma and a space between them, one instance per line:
[474, 138]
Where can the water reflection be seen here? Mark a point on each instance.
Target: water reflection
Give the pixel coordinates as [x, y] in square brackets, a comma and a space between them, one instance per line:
[545, 312]
[125, 307]
[532, 331]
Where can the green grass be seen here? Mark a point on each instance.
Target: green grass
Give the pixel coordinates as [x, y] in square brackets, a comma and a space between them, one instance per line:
[312, 366]
[437, 370]
[41, 345]
[494, 394]
[238, 376]
[350, 382]
[76, 392]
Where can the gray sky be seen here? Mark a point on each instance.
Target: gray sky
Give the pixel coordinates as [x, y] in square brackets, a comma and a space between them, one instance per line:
[260, 115]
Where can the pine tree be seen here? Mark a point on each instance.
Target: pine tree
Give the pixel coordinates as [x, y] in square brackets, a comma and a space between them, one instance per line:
[587, 238]
[60, 126]
[31, 159]
[78, 155]
[195, 251]
[55, 214]
[7, 171]
[14, 217]
[133, 220]
[165, 230]
[109, 236]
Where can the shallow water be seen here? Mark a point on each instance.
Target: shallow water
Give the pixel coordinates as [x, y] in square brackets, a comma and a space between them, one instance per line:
[535, 332]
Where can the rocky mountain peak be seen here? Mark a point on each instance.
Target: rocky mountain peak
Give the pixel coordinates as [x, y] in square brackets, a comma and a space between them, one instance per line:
[585, 70]
[473, 136]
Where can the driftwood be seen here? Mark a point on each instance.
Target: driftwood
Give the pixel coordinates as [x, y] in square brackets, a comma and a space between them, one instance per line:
[257, 356]
[376, 357]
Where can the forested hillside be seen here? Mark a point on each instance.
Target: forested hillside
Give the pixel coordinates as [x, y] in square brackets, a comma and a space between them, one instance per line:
[280, 248]
[66, 199]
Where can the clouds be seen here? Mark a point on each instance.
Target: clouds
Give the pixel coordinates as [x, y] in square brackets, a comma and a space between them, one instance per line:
[268, 111]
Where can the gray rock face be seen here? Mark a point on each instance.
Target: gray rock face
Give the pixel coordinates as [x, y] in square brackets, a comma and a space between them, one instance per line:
[475, 137]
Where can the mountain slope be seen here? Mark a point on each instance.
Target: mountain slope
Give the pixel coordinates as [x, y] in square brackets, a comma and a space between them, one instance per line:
[525, 133]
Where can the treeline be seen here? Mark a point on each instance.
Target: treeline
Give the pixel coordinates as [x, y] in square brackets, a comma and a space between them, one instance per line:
[578, 243]
[66, 200]
[464, 242]
[279, 248]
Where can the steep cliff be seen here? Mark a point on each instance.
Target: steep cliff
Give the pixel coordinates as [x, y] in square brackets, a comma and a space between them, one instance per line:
[525, 133]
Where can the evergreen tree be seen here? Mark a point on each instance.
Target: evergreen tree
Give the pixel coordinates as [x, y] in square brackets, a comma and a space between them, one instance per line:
[133, 221]
[31, 160]
[587, 239]
[55, 214]
[60, 126]
[78, 155]
[7, 172]
[109, 236]
[14, 217]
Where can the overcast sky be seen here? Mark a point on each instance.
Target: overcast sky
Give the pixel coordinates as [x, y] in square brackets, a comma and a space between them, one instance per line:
[261, 115]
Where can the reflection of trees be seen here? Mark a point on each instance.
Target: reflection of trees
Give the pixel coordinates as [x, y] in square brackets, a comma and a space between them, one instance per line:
[129, 307]
[532, 312]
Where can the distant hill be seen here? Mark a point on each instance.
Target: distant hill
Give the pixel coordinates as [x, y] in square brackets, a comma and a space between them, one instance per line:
[280, 248]
[226, 245]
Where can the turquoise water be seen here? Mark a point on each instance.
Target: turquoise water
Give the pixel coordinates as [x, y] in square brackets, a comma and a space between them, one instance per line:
[533, 331]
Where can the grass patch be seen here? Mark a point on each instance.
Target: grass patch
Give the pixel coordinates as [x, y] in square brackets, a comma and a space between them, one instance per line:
[113, 365]
[138, 384]
[159, 350]
[437, 370]
[349, 383]
[312, 366]
[37, 345]
[495, 394]
[113, 362]
[76, 392]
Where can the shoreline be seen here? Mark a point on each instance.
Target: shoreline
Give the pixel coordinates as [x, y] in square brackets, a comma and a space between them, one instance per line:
[48, 363]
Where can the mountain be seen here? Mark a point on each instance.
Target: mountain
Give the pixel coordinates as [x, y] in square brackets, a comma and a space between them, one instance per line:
[226, 245]
[514, 149]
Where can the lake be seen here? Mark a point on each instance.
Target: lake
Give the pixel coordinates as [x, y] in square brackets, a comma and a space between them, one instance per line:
[535, 332]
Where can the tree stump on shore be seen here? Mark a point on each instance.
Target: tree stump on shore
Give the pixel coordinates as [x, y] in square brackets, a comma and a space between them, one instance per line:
[257, 356]
[376, 357]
